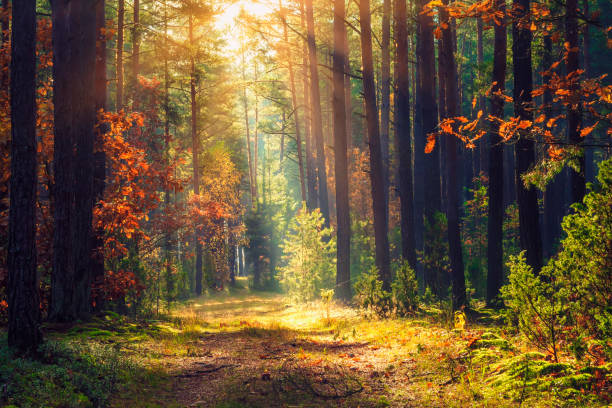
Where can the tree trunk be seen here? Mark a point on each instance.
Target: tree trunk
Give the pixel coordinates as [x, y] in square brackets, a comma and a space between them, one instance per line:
[495, 258]
[484, 143]
[74, 51]
[315, 102]
[23, 300]
[248, 136]
[100, 84]
[590, 168]
[376, 165]
[84, 169]
[429, 114]
[347, 88]
[343, 271]
[402, 132]
[120, 28]
[311, 174]
[298, 136]
[167, 200]
[452, 193]
[531, 240]
[136, 52]
[385, 98]
[196, 166]
[574, 115]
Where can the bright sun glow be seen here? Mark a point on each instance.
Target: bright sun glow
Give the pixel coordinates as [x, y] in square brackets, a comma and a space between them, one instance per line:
[228, 20]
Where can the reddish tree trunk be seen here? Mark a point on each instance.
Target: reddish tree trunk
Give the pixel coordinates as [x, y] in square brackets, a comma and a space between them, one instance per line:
[343, 271]
[376, 165]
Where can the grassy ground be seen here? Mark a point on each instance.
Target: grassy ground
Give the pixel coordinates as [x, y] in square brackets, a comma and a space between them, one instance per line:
[255, 350]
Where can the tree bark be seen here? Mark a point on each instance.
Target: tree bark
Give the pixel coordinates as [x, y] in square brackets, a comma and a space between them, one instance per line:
[311, 174]
[590, 168]
[315, 102]
[347, 88]
[385, 98]
[298, 136]
[376, 165]
[495, 258]
[402, 132]
[430, 170]
[484, 143]
[97, 259]
[343, 271]
[531, 240]
[452, 193]
[120, 29]
[574, 115]
[74, 51]
[136, 52]
[23, 301]
[196, 165]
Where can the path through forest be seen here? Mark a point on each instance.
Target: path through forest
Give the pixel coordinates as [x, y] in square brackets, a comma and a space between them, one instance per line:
[255, 350]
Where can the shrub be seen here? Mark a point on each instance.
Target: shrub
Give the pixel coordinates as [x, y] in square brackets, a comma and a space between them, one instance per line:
[537, 304]
[370, 294]
[405, 289]
[309, 257]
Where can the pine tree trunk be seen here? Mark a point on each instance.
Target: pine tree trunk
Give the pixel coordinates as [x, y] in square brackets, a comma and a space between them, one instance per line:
[294, 102]
[385, 98]
[430, 171]
[343, 271]
[23, 300]
[136, 52]
[74, 51]
[452, 193]
[311, 174]
[495, 259]
[120, 29]
[484, 143]
[316, 117]
[376, 165]
[196, 166]
[574, 115]
[402, 132]
[84, 169]
[97, 260]
[347, 88]
[531, 240]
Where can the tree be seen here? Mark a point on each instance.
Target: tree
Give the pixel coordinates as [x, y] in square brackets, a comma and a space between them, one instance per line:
[24, 312]
[574, 116]
[195, 146]
[402, 132]
[531, 240]
[343, 271]
[316, 128]
[452, 191]
[495, 264]
[74, 51]
[376, 165]
[427, 173]
[119, 67]
[99, 176]
[385, 100]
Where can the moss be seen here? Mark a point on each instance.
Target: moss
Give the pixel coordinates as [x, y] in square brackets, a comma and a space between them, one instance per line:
[495, 342]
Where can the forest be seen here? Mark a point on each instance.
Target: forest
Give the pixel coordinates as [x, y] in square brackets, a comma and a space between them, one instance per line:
[305, 203]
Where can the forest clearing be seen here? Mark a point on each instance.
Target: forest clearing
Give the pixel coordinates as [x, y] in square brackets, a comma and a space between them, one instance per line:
[249, 349]
[305, 203]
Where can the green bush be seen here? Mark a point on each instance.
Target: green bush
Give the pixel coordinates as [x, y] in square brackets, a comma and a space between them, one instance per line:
[570, 300]
[309, 257]
[537, 304]
[69, 374]
[370, 295]
[405, 290]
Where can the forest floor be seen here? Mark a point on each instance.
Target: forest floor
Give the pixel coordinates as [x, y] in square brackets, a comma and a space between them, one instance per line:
[245, 349]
